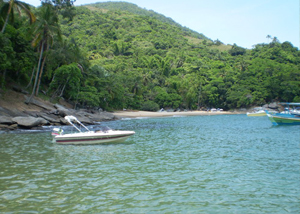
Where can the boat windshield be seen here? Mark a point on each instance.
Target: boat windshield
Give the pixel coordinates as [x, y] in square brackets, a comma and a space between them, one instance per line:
[104, 129]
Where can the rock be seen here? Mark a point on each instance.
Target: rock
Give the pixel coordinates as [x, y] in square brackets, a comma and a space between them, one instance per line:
[43, 105]
[8, 127]
[30, 122]
[265, 106]
[4, 112]
[62, 111]
[31, 113]
[63, 121]
[273, 105]
[2, 126]
[14, 113]
[11, 112]
[50, 118]
[102, 116]
[55, 112]
[13, 126]
[6, 120]
[65, 104]
[57, 106]
[83, 119]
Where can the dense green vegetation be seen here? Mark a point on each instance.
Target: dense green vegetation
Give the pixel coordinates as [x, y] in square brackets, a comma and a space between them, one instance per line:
[117, 55]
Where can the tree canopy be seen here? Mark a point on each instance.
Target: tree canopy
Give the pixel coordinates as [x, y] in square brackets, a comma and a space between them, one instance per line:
[117, 55]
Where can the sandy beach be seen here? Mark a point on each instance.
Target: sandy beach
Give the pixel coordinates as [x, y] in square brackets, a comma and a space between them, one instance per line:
[136, 114]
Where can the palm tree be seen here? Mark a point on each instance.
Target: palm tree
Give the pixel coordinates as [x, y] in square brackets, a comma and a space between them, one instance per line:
[268, 37]
[7, 11]
[275, 40]
[46, 27]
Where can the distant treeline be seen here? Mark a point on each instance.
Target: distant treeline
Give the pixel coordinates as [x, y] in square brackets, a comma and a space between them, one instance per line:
[117, 55]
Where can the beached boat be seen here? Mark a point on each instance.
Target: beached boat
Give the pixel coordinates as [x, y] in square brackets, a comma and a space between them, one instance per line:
[287, 117]
[87, 136]
[257, 113]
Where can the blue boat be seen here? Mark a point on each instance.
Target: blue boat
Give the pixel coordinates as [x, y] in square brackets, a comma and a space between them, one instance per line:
[288, 117]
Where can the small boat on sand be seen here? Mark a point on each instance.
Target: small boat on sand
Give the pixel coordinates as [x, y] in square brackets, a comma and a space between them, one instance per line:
[88, 137]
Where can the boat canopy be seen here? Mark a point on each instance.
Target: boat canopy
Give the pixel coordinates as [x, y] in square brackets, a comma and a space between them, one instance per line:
[71, 118]
[291, 104]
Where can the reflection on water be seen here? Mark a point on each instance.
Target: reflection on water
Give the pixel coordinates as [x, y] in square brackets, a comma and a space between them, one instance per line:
[200, 164]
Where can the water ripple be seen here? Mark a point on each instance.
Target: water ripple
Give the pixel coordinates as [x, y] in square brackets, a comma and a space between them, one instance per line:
[203, 164]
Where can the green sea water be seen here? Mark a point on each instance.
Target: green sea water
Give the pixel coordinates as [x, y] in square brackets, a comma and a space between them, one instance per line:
[198, 164]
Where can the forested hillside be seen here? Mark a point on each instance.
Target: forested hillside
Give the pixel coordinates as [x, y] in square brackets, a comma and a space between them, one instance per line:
[134, 9]
[116, 55]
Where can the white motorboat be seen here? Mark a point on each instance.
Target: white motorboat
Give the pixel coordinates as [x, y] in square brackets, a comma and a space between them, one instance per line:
[88, 137]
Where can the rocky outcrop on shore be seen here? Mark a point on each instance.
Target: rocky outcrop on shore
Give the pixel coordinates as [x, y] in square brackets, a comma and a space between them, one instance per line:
[15, 114]
[39, 113]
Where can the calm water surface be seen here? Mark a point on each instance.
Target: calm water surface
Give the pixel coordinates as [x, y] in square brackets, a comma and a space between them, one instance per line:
[199, 164]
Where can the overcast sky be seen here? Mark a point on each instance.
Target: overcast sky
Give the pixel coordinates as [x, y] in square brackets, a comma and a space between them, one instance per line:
[244, 22]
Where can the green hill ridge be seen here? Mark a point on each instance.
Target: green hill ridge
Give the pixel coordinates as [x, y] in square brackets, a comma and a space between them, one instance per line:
[115, 55]
[135, 9]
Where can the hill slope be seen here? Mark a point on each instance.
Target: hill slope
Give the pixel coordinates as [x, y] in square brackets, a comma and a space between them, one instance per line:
[134, 9]
[115, 59]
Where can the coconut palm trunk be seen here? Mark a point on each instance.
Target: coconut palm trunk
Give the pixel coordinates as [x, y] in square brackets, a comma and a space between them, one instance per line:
[37, 74]
[5, 23]
[40, 76]
[45, 29]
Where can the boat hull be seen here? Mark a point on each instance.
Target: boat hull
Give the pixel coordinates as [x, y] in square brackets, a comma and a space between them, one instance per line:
[258, 114]
[284, 120]
[89, 138]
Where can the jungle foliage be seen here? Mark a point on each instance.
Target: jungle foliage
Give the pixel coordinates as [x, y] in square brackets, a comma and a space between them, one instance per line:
[117, 55]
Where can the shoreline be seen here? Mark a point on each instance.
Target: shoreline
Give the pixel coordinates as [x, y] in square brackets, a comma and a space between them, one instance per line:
[15, 114]
[137, 114]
